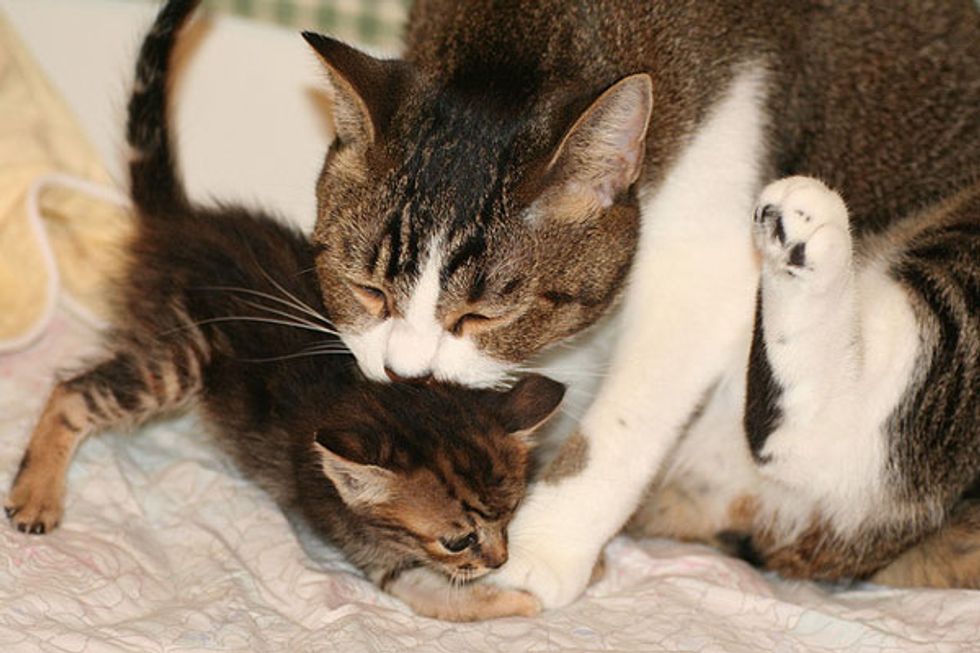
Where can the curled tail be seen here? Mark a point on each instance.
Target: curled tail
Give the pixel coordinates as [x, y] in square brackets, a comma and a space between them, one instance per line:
[155, 183]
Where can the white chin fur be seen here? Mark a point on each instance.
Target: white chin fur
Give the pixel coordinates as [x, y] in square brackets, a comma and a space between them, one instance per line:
[368, 348]
[458, 360]
[455, 360]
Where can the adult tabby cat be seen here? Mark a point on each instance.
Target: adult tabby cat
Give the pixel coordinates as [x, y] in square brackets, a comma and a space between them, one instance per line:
[793, 369]
[416, 486]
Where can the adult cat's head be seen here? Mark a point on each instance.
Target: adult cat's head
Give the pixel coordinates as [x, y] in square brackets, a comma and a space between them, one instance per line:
[431, 475]
[467, 217]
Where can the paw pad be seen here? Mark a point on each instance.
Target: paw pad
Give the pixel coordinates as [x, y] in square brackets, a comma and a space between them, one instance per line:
[801, 227]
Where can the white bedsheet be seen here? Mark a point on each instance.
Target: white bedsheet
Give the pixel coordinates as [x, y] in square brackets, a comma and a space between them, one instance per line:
[165, 547]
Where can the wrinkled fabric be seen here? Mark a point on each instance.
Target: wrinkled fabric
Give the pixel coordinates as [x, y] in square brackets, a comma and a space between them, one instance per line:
[164, 546]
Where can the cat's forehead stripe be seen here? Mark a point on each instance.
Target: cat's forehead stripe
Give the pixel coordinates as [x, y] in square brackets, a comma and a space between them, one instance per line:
[471, 248]
[448, 184]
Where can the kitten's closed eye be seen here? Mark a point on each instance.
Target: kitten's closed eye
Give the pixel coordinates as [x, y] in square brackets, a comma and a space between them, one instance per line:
[458, 544]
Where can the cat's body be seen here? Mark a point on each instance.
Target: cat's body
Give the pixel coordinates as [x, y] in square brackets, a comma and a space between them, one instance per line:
[219, 308]
[808, 377]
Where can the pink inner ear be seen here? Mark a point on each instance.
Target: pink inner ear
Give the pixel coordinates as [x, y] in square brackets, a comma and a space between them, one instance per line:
[604, 150]
[621, 175]
[357, 484]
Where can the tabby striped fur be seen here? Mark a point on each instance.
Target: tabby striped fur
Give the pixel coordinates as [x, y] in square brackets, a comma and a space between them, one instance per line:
[219, 307]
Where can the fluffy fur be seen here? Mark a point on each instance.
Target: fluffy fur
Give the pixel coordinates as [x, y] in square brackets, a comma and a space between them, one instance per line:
[801, 368]
[219, 307]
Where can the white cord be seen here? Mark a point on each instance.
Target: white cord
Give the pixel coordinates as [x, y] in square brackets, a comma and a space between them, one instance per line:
[54, 286]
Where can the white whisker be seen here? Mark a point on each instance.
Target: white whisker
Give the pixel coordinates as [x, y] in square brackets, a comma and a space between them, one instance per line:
[298, 305]
[286, 314]
[299, 302]
[300, 354]
[244, 318]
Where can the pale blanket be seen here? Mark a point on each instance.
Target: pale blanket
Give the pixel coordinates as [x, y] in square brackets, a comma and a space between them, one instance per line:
[166, 547]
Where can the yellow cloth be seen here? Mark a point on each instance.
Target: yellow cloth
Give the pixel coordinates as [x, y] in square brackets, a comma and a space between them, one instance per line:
[72, 242]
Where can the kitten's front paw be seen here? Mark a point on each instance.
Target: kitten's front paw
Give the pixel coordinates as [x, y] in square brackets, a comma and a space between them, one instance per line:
[34, 504]
[801, 230]
[497, 602]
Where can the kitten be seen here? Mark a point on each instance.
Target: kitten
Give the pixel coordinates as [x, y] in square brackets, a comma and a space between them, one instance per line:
[786, 366]
[415, 485]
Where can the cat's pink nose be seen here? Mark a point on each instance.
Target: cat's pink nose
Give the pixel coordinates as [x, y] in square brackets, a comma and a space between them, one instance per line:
[414, 380]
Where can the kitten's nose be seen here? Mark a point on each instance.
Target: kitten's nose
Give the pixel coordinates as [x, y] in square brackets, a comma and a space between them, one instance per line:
[494, 557]
[414, 380]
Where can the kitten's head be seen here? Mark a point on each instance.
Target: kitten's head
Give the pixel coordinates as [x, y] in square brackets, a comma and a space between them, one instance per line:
[464, 223]
[433, 476]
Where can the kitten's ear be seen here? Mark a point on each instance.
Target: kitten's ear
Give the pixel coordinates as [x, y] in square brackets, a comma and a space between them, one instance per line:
[359, 486]
[530, 403]
[364, 88]
[600, 156]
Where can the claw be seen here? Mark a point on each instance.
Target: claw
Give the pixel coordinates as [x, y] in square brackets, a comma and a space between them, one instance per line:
[765, 212]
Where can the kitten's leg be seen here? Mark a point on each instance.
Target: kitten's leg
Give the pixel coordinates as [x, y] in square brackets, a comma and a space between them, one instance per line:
[126, 389]
[432, 595]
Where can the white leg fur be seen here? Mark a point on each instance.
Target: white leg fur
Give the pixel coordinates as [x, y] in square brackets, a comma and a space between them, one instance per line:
[842, 345]
[687, 308]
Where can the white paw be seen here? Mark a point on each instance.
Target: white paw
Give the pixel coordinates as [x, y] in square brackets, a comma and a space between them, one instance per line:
[555, 575]
[550, 558]
[801, 230]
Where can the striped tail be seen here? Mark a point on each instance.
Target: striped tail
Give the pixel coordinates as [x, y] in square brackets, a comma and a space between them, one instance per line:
[156, 186]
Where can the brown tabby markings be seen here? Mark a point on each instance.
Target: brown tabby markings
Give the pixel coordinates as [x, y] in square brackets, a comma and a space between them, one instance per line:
[949, 558]
[117, 391]
[673, 511]
[218, 305]
[570, 461]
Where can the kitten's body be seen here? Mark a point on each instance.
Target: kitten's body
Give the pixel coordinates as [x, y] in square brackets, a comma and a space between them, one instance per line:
[219, 307]
[809, 378]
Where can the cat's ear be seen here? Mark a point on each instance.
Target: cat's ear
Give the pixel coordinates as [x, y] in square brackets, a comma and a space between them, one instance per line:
[529, 404]
[601, 154]
[359, 486]
[363, 88]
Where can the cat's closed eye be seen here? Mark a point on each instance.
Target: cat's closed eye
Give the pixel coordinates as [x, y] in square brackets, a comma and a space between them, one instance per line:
[473, 323]
[458, 544]
[372, 298]
[468, 321]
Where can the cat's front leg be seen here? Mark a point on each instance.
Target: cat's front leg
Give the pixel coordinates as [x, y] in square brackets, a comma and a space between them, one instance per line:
[688, 321]
[431, 594]
[687, 316]
[35, 502]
